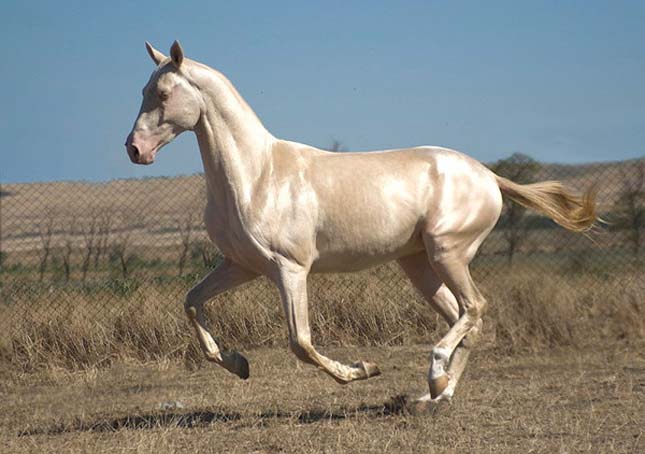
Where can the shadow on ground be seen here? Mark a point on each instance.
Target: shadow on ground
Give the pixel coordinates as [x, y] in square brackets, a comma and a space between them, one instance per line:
[395, 406]
[194, 419]
[187, 420]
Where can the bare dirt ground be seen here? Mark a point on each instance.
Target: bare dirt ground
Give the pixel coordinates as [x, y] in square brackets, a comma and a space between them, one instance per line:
[560, 401]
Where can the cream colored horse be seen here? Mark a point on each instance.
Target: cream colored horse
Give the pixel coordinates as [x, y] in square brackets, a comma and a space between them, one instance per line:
[284, 209]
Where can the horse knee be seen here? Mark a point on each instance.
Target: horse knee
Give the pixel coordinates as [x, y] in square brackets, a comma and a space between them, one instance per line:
[475, 309]
[472, 337]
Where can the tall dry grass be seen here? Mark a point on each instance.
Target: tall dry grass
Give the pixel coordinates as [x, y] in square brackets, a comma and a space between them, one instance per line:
[74, 329]
[579, 310]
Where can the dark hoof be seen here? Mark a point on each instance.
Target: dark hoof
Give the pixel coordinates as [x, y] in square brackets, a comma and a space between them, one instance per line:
[438, 385]
[242, 366]
[236, 364]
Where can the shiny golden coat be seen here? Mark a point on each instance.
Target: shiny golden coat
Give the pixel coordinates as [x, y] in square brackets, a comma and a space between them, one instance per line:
[284, 209]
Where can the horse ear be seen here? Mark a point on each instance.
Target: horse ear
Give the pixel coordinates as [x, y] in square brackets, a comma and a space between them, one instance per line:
[156, 56]
[176, 54]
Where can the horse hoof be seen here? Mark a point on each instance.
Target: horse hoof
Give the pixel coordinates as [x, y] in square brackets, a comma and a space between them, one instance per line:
[242, 366]
[236, 364]
[369, 369]
[438, 385]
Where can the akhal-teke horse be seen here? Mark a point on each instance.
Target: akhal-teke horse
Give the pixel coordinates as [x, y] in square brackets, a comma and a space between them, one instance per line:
[284, 210]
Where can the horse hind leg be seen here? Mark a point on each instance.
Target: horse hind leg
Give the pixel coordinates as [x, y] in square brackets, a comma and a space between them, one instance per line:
[429, 284]
[463, 334]
[417, 268]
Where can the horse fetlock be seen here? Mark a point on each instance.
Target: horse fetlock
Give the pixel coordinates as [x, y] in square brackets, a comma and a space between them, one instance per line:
[340, 379]
[439, 357]
[214, 357]
[304, 351]
[191, 312]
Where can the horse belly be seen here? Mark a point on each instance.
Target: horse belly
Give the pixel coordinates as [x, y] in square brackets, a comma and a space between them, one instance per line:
[346, 247]
[372, 216]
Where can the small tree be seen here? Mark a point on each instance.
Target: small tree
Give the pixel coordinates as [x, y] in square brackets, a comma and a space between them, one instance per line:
[205, 251]
[185, 227]
[521, 169]
[89, 230]
[630, 206]
[67, 248]
[45, 230]
[120, 251]
[337, 146]
[103, 230]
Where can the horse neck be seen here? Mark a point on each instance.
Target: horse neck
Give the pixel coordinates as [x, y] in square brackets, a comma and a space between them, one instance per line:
[234, 144]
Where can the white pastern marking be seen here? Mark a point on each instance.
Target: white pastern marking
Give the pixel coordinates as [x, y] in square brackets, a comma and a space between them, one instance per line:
[440, 357]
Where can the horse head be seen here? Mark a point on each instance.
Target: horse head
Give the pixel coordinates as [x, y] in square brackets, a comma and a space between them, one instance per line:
[170, 106]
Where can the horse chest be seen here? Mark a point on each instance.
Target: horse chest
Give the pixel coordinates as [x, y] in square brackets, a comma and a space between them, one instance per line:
[233, 240]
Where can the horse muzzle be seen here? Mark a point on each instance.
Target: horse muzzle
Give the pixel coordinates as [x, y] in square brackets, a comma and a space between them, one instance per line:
[139, 152]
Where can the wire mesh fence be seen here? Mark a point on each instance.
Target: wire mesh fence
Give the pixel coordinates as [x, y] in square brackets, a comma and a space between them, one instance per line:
[95, 245]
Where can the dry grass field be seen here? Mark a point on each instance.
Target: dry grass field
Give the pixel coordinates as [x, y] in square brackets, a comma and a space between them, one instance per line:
[560, 400]
[561, 368]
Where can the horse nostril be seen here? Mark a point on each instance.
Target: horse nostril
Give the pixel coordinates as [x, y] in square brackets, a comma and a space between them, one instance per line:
[135, 152]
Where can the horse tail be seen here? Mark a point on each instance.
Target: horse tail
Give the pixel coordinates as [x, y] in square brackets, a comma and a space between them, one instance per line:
[573, 212]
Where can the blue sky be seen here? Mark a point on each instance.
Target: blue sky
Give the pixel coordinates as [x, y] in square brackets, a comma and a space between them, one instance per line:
[562, 81]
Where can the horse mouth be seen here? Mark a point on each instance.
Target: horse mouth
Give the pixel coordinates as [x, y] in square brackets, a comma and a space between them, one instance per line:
[147, 160]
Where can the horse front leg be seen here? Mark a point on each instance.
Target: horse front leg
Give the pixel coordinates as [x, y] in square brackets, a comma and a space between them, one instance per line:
[225, 277]
[292, 283]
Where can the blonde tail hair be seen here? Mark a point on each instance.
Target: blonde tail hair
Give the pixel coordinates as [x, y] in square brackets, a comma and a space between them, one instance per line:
[573, 212]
